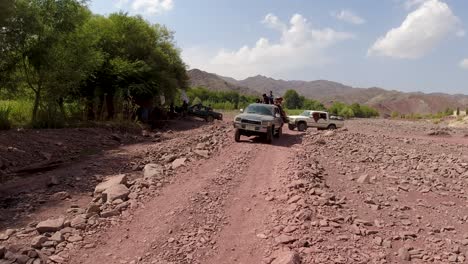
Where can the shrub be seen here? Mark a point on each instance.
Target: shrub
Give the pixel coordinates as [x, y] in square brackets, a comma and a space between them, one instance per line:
[5, 122]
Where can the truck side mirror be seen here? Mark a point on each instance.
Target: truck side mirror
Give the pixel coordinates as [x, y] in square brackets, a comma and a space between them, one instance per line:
[241, 110]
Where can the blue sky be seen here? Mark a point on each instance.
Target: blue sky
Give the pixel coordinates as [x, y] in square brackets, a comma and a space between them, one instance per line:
[407, 45]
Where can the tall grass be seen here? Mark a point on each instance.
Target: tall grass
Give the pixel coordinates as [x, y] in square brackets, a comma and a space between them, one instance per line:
[5, 122]
[20, 111]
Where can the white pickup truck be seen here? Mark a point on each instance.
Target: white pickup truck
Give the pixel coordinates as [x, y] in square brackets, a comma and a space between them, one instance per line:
[319, 119]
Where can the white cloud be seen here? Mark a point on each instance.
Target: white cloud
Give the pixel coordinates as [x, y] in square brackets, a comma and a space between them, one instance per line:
[421, 31]
[464, 64]
[349, 17]
[300, 45]
[146, 6]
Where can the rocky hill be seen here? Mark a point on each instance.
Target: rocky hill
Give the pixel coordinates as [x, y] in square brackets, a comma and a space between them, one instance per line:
[214, 82]
[327, 92]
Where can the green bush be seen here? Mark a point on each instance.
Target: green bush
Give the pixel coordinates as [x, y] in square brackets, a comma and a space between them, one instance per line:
[5, 122]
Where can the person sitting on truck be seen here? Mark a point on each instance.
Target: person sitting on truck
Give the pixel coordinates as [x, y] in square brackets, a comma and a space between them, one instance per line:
[278, 103]
[266, 100]
[316, 116]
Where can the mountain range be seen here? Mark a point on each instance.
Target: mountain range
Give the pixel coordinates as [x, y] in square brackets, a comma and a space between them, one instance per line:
[386, 101]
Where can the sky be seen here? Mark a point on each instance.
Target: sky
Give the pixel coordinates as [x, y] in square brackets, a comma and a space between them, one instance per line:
[405, 45]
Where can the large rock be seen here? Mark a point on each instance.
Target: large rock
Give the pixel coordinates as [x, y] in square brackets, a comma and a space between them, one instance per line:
[363, 179]
[287, 257]
[111, 181]
[284, 239]
[79, 222]
[50, 225]
[115, 192]
[37, 241]
[178, 163]
[203, 153]
[153, 171]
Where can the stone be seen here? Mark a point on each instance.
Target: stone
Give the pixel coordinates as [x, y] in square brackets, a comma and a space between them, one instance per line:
[22, 259]
[363, 179]
[201, 146]
[74, 238]
[262, 236]
[178, 163]
[153, 171]
[294, 199]
[93, 208]
[111, 181]
[284, 239]
[110, 213]
[57, 237]
[37, 241]
[50, 225]
[115, 192]
[269, 198]
[4, 237]
[60, 196]
[10, 232]
[203, 153]
[404, 254]
[57, 259]
[286, 257]
[79, 222]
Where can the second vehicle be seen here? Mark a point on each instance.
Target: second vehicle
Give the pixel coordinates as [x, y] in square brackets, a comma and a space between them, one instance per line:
[317, 119]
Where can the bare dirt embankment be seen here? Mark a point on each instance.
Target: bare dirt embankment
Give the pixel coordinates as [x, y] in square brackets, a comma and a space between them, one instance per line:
[376, 192]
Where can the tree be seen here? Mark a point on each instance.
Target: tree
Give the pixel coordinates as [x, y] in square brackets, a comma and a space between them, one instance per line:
[35, 44]
[6, 11]
[140, 60]
[293, 100]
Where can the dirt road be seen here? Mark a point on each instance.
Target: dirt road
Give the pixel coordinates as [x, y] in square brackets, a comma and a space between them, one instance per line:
[210, 214]
[376, 192]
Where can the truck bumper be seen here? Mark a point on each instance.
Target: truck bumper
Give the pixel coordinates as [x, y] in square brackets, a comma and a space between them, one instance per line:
[251, 127]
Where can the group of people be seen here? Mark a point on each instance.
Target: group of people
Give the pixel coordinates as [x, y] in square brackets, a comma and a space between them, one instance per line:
[270, 99]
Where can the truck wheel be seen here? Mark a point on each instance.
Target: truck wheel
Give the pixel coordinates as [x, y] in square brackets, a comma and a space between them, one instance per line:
[291, 127]
[209, 119]
[302, 126]
[332, 127]
[279, 133]
[237, 135]
[269, 135]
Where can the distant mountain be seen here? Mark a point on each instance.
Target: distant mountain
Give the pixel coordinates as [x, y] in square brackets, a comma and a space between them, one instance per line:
[216, 83]
[328, 92]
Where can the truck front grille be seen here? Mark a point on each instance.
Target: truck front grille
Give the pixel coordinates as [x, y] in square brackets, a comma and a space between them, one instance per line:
[245, 121]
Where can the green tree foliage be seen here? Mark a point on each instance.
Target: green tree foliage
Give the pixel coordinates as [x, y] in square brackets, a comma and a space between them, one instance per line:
[353, 110]
[228, 100]
[58, 52]
[293, 100]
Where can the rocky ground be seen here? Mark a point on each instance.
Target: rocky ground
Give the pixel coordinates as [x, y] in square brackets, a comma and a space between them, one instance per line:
[378, 191]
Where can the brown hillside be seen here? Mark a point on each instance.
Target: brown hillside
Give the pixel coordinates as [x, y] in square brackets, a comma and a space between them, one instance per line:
[328, 92]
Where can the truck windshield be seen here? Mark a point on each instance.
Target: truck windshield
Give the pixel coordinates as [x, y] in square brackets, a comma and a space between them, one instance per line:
[258, 109]
[305, 113]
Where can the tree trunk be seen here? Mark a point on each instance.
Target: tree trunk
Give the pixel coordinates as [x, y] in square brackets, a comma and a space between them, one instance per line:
[90, 109]
[110, 106]
[37, 100]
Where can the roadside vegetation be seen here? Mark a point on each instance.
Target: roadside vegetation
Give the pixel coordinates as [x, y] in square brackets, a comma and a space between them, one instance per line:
[62, 64]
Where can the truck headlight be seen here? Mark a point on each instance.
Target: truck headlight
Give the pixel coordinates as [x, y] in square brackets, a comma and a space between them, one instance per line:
[238, 119]
[266, 123]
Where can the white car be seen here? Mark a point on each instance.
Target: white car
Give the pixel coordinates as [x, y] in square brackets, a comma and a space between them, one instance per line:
[317, 119]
